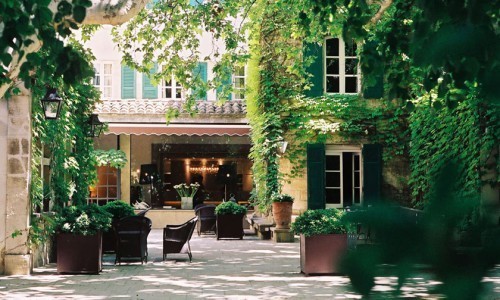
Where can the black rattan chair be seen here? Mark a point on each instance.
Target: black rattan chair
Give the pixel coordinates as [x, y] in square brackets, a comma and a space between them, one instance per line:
[132, 238]
[206, 219]
[176, 238]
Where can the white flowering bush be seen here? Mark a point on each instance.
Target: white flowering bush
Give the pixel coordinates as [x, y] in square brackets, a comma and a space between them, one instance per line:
[84, 220]
[187, 190]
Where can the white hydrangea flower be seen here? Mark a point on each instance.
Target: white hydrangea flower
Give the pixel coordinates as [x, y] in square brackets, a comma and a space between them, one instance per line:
[66, 226]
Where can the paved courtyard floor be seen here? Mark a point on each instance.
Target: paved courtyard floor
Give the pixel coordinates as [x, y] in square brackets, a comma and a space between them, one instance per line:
[224, 269]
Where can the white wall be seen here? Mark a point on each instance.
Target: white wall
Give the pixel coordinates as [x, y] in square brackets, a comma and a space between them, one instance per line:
[106, 51]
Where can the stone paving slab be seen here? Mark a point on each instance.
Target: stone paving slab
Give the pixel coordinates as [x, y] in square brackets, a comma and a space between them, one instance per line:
[224, 269]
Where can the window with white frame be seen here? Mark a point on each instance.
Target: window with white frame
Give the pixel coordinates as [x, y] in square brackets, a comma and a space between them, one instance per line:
[239, 83]
[343, 173]
[342, 75]
[171, 89]
[103, 79]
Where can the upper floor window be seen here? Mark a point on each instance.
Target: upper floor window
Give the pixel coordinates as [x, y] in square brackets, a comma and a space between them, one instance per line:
[171, 89]
[342, 74]
[239, 83]
[103, 79]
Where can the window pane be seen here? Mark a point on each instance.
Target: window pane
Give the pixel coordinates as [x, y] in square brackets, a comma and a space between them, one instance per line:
[240, 71]
[333, 196]
[178, 93]
[351, 84]
[107, 92]
[351, 66]
[357, 197]
[102, 192]
[107, 68]
[356, 162]
[112, 192]
[333, 162]
[332, 84]
[332, 47]
[112, 179]
[332, 66]
[107, 80]
[168, 82]
[356, 179]
[239, 82]
[97, 80]
[168, 93]
[333, 179]
[350, 49]
[239, 95]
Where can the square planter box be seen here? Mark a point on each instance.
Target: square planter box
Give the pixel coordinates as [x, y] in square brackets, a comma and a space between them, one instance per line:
[79, 254]
[229, 226]
[321, 254]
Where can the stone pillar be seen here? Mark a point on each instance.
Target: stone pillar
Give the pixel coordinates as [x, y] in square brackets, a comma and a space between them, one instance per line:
[17, 260]
[3, 178]
[125, 172]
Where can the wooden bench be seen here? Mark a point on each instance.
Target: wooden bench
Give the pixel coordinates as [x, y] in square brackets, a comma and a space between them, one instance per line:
[262, 226]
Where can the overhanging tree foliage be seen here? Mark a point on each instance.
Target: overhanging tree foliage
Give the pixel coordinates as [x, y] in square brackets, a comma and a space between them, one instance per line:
[26, 25]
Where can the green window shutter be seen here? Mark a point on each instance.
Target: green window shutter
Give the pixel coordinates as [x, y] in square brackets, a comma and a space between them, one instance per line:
[149, 91]
[201, 71]
[374, 65]
[128, 83]
[372, 173]
[315, 176]
[315, 69]
[375, 91]
[226, 84]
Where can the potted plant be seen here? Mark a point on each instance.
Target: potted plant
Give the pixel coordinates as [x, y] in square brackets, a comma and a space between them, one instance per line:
[323, 240]
[118, 209]
[282, 210]
[229, 220]
[79, 238]
[187, 192]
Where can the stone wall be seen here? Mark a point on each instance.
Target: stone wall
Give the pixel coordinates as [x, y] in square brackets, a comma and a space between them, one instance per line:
[297, 187]
[15, 150]
[3, 178]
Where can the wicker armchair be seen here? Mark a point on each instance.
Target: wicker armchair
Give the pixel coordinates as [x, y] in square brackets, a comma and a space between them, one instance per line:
[176, 238]
[132, 238]
[206, 219]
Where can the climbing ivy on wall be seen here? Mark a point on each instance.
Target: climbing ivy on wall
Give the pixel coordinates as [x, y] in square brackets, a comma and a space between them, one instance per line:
[468, 134]
[273, 83]
[276, 106]
[72, 163]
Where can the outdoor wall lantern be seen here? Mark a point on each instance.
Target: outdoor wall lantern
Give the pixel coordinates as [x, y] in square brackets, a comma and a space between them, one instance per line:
[96, 126]
[282, 147]
[51, 104]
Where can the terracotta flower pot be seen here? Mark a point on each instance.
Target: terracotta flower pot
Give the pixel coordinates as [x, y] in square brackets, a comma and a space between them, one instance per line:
[79, 254]
[282, 214]
[321, 254]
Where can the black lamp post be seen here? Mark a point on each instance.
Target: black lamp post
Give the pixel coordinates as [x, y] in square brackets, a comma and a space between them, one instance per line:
[96, 126]
[51, 104]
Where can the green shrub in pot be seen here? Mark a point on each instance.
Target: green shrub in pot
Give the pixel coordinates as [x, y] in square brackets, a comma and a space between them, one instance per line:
[321, 221]
[281, 198]
[84, 220]
[119, 209]
[230, 208]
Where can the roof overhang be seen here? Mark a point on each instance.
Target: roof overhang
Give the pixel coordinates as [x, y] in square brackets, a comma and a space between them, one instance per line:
[179, 129]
